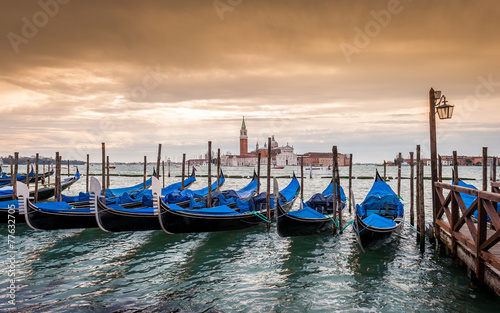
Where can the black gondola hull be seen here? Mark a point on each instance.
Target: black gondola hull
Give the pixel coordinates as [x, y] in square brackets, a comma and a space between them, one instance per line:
[290, 226]
[43, 220]
[370, 237]
[115, 221]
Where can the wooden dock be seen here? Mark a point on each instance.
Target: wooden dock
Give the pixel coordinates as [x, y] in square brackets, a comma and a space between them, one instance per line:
[474, 240]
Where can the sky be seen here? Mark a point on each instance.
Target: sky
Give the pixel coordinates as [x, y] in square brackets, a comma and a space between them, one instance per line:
[314, 74]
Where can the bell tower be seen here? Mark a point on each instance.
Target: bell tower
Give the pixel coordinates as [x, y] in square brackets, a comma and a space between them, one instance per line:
[243, 138]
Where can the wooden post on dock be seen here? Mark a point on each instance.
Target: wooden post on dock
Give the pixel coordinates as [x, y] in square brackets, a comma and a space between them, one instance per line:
[268, 195]
[454, 204]
[103, 171]
[258, 173]
[433, 146]
[87, 173]
[422, 207]
[43, 171]
[57, 179]
[485, 168]
[68, 169]
[350, 182]
[158, 160]
[209, 157]
[183, 169]
[28, 178]
[412, 190]
[107, 172]
[36, 178]
[163, 172]
[494, 170]
[385, 170]
[49, 170]
[218, 169]
[418, 194]
[440, 168]
[144, 174]
[337, 206]
[400, 160]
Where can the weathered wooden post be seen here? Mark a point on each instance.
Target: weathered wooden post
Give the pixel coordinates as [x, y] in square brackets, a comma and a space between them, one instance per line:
[494, 171]
[440, 168]
[454, 205]
[302, 178]
[68, 169]
[350, 182]
[400, 158]
[49, 170]
[258, 173]
[385, 170]
[28, 178]
[485, 168]
[144, 174]
[412, 190]
[336, 208]
[158, 160]
[36, 178]
[103, 172]
[433, 146]
[183, 169]
[107, 172]
[418, 194]
[422, 207]
[87, 173]
[268, 196]
[209, 157]
[218, 169]
[14, 175]
[168, 166]
[13, 178]
[60, 179]
[57, 179]
[43, 171]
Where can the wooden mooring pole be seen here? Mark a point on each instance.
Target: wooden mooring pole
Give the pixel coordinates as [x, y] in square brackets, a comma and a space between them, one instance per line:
[268, 195]
[16, 170]
[400, 159]
[301, 179]
[57, 179]
[13, 178]
[163, 172]
[218, 169]
[36, 178]
[418, 194]
[144, 174]
[385, 170]
[440, 168]
[335, 207]
[258, 173]
[412, 190]
[454, 204]
[158, 161]
[183, 169]
[350, 182]
[28, 178]
[485, 168]
[103, 173]
[209, 157]
[422, 207]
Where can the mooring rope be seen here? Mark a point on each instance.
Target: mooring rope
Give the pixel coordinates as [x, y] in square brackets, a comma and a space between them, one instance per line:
[347, 225]
[334, 221]
[261, 216]
[407, 224]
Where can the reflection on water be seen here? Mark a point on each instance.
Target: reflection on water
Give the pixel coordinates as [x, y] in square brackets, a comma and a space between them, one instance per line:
[243, 271]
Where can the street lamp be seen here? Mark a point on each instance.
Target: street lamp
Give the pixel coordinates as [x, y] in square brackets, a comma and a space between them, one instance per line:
[444, 110]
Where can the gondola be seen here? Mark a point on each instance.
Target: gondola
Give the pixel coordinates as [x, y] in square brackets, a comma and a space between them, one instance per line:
[176, 220]
[314, 217]
[44, 192]
[183, 197]
[379, 216]
[53, 215]
[224, 197]
[116, 217]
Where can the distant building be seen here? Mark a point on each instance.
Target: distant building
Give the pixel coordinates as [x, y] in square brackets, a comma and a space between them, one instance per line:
[280, 155]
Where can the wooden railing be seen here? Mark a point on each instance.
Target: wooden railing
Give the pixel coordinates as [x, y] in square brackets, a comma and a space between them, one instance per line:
[495, 187]
[460, 219]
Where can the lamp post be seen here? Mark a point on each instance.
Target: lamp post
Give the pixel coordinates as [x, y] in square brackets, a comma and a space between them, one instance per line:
[444, 110]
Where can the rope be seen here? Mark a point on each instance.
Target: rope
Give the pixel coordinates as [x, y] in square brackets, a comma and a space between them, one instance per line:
[407, 224]
[261, 216]
[334, 221]
[400, 198]
[347, 225]
[349, 201]
[360, 230]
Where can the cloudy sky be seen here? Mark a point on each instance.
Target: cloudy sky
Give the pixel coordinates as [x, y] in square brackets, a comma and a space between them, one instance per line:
[355, 74]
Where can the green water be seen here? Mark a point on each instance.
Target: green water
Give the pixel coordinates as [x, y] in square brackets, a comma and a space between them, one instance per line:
[243, 271]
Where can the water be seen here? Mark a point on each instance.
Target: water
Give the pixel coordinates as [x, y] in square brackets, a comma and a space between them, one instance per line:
[242, 271]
